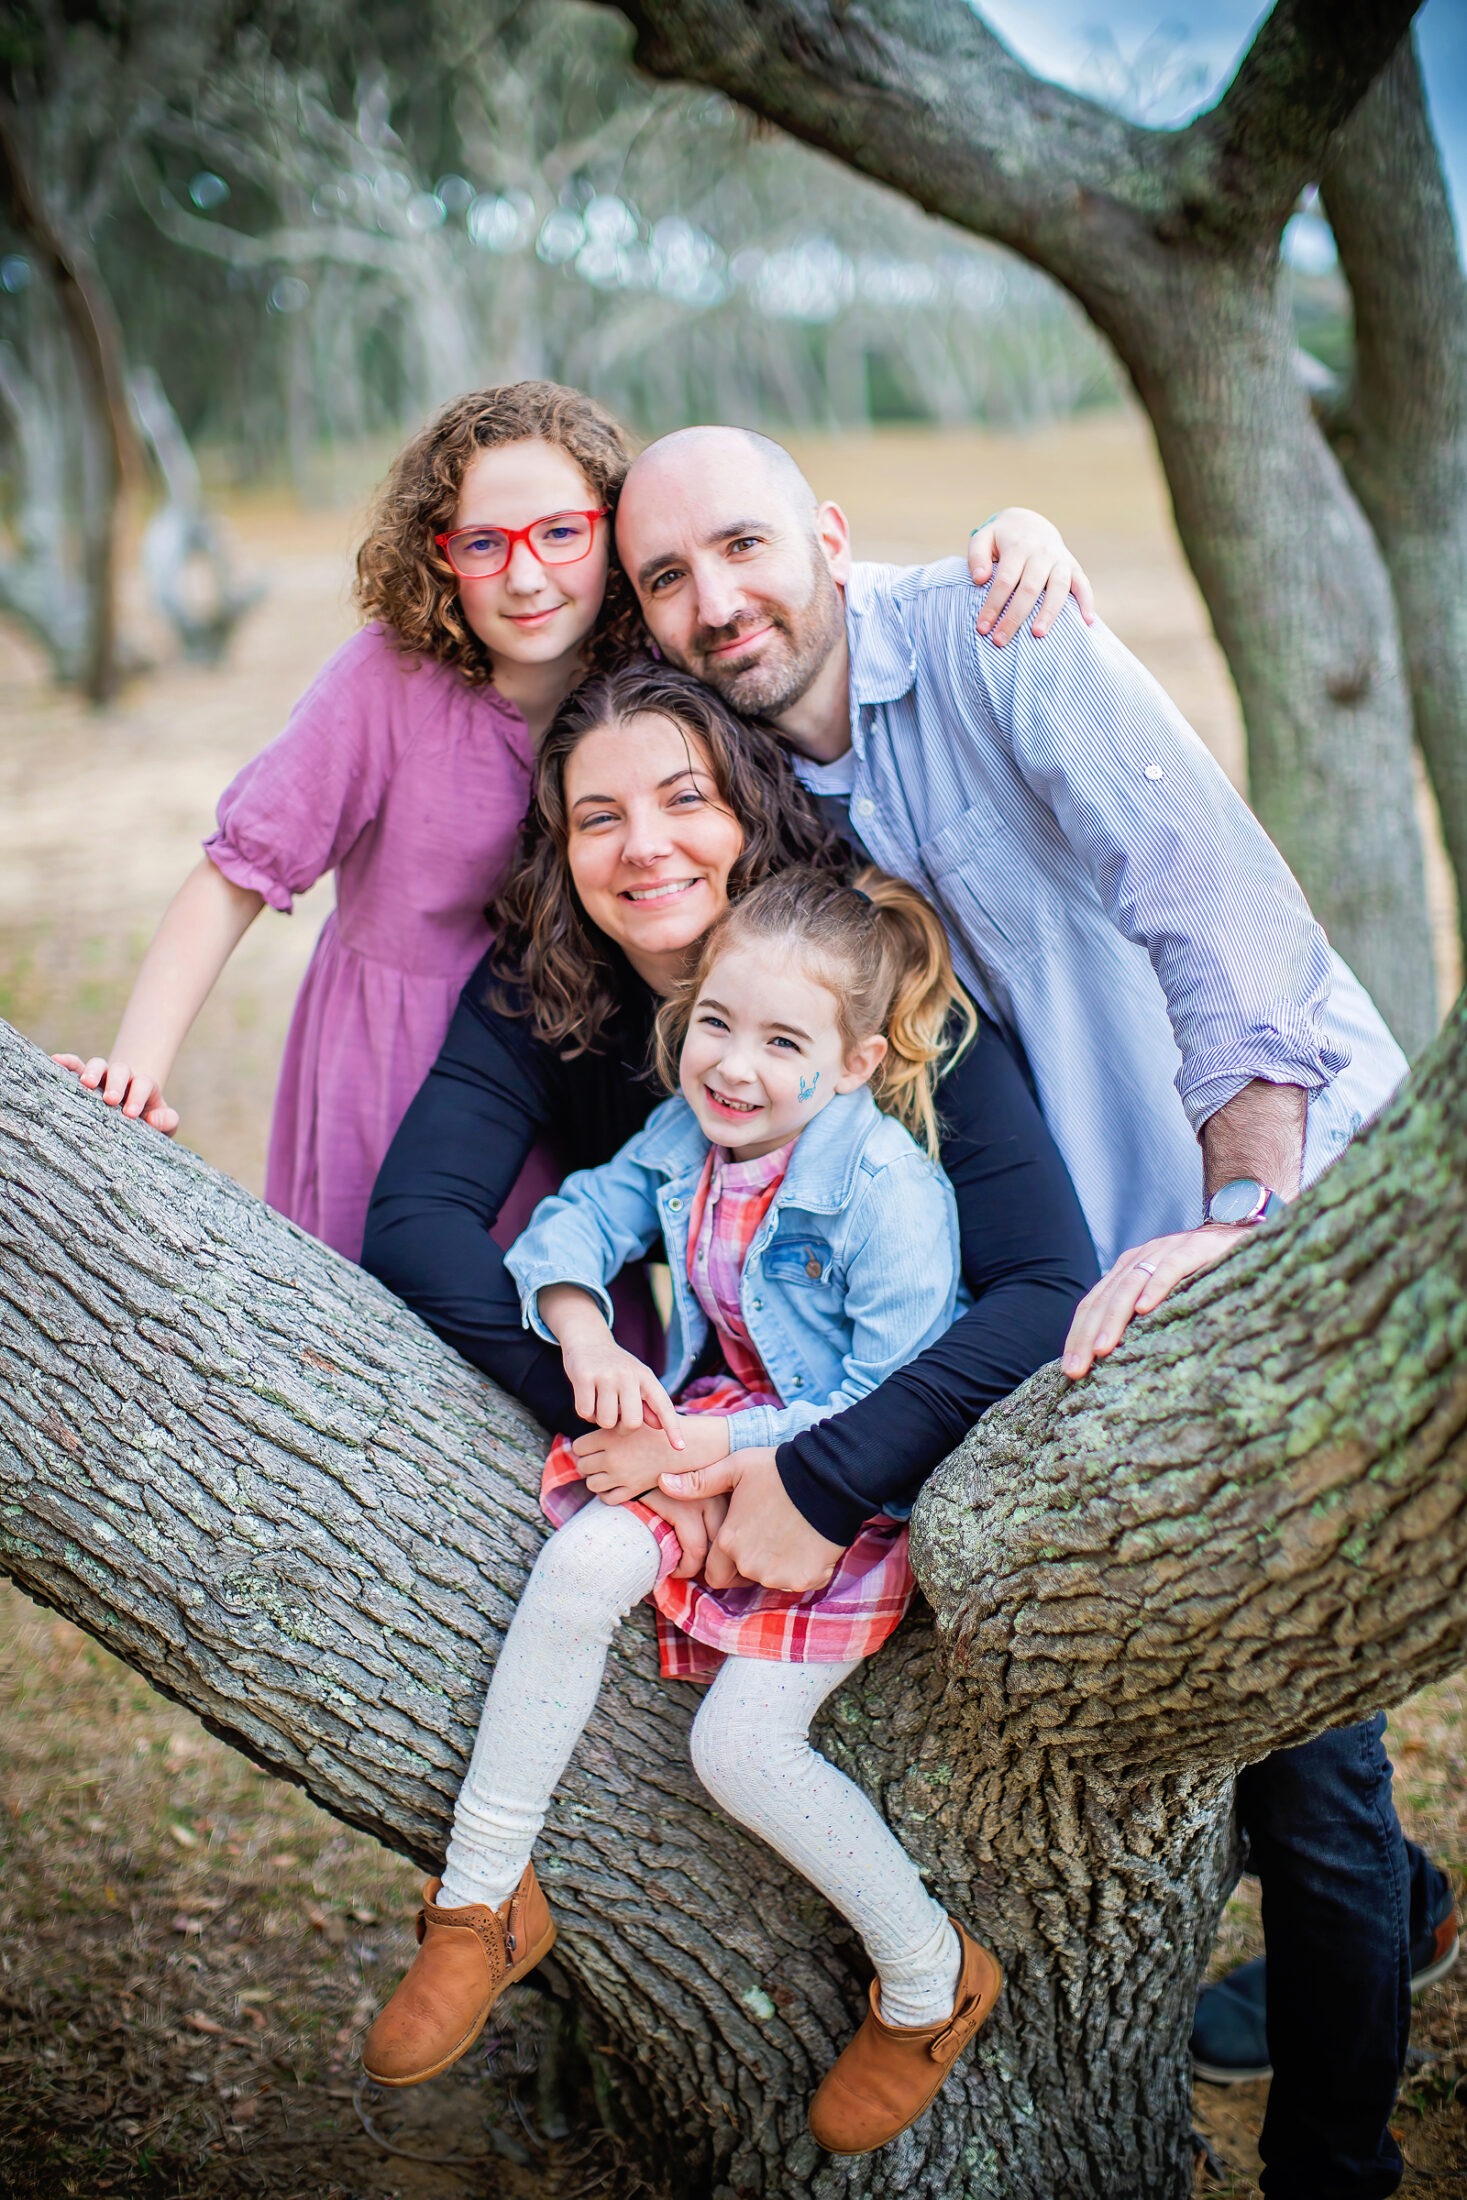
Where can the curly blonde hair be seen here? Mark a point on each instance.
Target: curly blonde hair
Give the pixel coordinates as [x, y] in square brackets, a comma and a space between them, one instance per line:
[403, 578]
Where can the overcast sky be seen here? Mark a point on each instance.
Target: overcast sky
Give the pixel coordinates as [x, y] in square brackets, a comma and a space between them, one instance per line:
[1077, 41]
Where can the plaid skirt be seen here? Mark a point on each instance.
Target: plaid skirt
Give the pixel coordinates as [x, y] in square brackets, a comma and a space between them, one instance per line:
[698, 1627]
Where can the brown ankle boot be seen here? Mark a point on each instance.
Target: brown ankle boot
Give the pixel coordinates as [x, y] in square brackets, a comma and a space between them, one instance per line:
[465, 1960]
[888, 2074]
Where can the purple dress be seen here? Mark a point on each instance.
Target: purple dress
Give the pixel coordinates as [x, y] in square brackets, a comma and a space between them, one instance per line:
[411, 785]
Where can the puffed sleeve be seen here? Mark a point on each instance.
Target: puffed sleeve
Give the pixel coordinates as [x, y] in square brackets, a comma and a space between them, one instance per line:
[296, 808]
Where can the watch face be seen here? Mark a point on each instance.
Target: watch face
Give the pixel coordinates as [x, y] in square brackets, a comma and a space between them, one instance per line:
[1236, 1202]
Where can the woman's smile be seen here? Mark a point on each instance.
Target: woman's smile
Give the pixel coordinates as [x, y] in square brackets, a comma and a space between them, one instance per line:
[664, 890]
[650, 844]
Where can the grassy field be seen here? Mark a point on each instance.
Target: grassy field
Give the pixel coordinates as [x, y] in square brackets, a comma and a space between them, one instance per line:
[193, 1949]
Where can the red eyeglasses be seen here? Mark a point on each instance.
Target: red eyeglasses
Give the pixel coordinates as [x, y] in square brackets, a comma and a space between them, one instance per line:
[478, 553]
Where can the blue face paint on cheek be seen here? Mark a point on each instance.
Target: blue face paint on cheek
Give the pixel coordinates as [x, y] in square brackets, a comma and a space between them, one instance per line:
[807, 1092]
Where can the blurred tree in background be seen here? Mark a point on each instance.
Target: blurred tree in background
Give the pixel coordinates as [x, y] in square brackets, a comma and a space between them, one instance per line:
[311, 223]
[1325, 569]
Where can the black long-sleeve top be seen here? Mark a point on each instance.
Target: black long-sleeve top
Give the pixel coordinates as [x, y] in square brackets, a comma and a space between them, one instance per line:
[496, 1088]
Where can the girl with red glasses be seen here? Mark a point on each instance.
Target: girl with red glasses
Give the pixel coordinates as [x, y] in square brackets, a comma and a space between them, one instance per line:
[489, 588]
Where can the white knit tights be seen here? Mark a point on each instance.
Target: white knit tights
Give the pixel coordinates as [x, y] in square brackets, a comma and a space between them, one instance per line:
[751, 1750]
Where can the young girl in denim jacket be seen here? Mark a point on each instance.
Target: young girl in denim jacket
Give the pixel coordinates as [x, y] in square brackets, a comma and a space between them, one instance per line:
[815, 1241]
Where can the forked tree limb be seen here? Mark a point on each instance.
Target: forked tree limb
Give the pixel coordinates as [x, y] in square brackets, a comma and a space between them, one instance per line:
[1251, 1522]
[260, 1481]
[922, 95]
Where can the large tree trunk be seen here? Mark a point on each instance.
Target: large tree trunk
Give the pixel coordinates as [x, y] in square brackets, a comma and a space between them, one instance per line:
[1170, 241]
[255, 1477]
[1402, 430]
[1301, 602]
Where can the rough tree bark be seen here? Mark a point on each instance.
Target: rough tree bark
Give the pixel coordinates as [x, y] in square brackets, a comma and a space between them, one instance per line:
[1402, 428]
[255, 1477]
[1170, 241]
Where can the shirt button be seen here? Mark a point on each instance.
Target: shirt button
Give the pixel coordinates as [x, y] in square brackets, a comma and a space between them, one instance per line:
[1153, 771]
[865, 807]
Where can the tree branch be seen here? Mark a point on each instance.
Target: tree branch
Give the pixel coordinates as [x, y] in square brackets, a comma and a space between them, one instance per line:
[918, 93]
[255, 1477]
[109, 451]
[1277, 1542]
[1309, 66]
[922, 95]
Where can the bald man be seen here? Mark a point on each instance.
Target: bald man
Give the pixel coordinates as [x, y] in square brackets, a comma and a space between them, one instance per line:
[1196, 1047]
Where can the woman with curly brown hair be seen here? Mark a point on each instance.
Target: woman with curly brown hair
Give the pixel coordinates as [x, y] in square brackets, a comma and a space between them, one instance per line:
[489, 587]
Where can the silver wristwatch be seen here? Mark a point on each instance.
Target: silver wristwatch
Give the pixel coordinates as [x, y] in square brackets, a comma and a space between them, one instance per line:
[1245, 1200]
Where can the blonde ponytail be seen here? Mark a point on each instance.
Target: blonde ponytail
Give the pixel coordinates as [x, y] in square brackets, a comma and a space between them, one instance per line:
[924, 999]
[879, 948]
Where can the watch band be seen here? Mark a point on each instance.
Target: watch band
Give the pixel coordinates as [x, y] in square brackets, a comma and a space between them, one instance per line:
[1244, 1202]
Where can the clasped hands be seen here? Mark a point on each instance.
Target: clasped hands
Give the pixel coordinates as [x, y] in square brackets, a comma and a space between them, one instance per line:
[729, 1510]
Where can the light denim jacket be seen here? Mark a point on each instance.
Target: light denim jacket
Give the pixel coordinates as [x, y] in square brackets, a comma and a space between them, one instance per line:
[860, 1204]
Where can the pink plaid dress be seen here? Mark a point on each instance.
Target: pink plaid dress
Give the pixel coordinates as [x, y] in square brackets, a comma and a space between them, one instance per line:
[697, 1627]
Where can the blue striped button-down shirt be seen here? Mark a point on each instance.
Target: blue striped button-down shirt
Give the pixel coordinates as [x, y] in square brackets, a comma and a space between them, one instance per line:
[1110, 897]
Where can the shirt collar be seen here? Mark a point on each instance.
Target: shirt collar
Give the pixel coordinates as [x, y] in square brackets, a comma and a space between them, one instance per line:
[822, 1170]
[883, 658]
[732, 1175]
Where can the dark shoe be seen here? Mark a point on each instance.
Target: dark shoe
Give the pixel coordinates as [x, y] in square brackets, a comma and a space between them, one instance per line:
[889, 2073]
[1229, 2031]
[1229, 2036]
[465, 1960]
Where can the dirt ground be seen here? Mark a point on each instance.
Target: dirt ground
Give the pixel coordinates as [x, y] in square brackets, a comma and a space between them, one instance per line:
[192, 1949]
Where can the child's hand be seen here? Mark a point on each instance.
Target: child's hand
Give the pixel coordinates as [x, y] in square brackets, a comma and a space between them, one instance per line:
[611, 1387]
[1032, 561]
[132, 1090]
[622, 1463]
[695, 1521]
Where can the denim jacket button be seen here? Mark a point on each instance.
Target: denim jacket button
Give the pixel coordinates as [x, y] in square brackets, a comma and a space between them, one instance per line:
[674, 1206]
[757, 1305]
[799, 1382]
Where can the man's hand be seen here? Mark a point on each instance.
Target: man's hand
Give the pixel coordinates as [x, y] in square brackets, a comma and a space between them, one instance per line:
[1259, 1133]
[1139, 1281]
[765, 1537]
[621, 1463]
[695, 1521]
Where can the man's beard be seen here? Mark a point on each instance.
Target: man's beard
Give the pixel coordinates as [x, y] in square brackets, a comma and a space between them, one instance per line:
[788, 662]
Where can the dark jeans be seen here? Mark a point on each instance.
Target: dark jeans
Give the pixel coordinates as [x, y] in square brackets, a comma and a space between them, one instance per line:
[1323, 1838]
